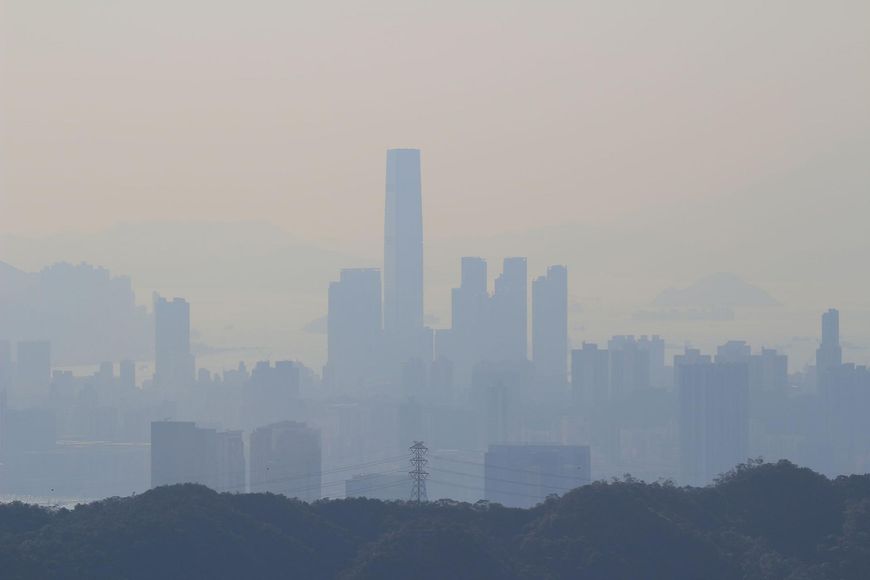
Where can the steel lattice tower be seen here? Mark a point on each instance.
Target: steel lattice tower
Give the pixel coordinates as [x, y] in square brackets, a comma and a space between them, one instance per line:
[418, 471]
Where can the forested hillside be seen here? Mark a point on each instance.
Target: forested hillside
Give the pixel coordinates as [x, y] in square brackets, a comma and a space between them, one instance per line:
[762, 521]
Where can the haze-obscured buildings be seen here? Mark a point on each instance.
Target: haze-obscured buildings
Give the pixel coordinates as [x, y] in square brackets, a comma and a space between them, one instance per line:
[181, 452]
[173, 359]
[524, 475]
[286, 458]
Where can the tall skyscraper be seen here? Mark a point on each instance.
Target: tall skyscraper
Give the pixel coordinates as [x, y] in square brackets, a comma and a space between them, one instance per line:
[403, 244]
[355, 337]
[829, 355]
[508, 313]
[173, 361]
[464, 343]
[838, 386]
[469, 300]
[550, 326]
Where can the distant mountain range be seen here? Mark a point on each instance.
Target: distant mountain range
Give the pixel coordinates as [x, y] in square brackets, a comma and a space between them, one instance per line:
[716, 291]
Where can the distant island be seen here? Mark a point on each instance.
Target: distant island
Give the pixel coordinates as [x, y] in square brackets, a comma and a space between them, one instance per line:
[761, 521]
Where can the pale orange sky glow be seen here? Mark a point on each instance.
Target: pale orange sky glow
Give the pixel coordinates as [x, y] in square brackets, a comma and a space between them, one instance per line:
[528, 114]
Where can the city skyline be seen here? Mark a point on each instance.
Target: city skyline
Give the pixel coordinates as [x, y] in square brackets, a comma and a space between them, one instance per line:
[463, 289]
[502, 386]
[672, 306]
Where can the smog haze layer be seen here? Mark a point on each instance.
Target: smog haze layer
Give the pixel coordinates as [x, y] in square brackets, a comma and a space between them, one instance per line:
[646, 146]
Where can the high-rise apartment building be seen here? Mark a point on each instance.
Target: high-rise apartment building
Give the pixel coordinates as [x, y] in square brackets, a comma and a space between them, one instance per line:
[464, 343]
[173, 360]
[629, 366]
[508, 313]
[590, 377]
[714, 419]
[550, 326]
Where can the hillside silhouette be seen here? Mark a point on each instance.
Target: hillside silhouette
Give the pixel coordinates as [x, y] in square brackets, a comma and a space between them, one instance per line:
[761, 521]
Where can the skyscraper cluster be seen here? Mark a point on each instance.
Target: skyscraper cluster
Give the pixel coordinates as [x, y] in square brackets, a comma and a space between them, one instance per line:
[376, 341]
[507, 410]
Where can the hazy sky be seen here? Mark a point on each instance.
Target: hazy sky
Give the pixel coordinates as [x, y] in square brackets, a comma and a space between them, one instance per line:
[528, 113]
[665, 139]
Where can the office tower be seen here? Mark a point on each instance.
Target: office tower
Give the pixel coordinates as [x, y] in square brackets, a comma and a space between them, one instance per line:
[829, 355]
[33, 365]
[590, 376]
[714, 419]
[508, 314]
[181, 452]
[629, 366]
[173, 361]
[127, 374]
[354, 342]
[524, 475]
[550, 326]
[286, 458]
[230, 462]
[403, 244]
